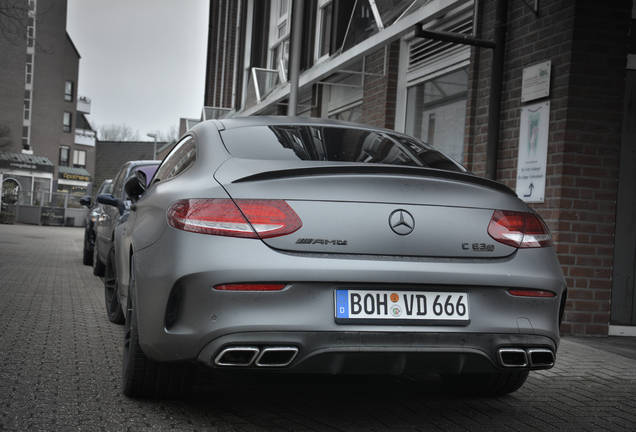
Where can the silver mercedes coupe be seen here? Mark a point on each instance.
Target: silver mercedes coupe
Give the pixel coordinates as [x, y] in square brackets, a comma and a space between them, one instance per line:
[294, 245]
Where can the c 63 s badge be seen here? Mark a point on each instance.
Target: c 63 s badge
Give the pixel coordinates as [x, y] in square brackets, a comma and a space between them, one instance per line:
[478, 247]
[313, 241]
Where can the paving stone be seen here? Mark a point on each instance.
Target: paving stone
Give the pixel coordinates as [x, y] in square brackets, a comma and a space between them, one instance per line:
[60, 369]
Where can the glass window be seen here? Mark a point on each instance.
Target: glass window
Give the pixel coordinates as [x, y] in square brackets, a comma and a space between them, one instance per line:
[79, 158]
[64, 156]
[436, 112]
[324, 29]
[66, 122]
[68, 91]
[278, 53]
[178, 160]
[335, 144]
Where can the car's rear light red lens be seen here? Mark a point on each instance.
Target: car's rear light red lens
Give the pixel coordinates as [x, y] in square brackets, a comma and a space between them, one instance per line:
[250, 287]
[518, 229]
[221, 216]
[270, 218]
[531, 293]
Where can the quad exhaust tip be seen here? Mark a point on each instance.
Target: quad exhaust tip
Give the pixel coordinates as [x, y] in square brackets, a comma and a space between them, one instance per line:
[541, 358]
[535, 358]
[249, 355]
[236, 356]
[276, 356]
[512, 357]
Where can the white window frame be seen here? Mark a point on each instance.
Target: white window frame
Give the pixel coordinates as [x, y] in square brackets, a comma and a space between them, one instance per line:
[275, 42]
[322, 4]
[76, 157]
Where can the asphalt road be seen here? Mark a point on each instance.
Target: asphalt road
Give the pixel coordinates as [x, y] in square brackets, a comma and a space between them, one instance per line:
[60, 362]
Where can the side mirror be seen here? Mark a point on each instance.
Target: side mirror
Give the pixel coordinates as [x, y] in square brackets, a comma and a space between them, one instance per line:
[108, 199]
[135, 186]
[85, 201]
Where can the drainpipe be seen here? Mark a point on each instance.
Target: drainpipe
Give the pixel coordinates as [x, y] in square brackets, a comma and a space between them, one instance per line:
[294, 58]
[496, 79]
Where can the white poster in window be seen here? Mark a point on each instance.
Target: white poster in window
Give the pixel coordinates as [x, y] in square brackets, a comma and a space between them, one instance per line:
[533, 152]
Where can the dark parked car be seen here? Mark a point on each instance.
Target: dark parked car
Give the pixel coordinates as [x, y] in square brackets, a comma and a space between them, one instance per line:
[95, 211]
[116, 210]
[315, 246]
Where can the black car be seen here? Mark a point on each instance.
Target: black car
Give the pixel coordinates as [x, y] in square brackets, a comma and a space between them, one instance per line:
[115, 213]
[94, 213]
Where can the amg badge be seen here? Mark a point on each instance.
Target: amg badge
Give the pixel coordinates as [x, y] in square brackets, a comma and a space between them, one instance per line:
[313, 241]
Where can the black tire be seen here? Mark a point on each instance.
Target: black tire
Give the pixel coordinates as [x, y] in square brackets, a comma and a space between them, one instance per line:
[143, 377]
[98, 266]
[488, 384]
[87, 258]
[111, 293]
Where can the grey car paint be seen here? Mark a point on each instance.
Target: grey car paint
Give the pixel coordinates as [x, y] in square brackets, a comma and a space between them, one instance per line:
[448, 210]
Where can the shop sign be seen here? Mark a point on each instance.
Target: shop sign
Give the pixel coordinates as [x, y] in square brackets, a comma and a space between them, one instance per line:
[533, 152]
[535, 82]
[80, 177]
[27, 166]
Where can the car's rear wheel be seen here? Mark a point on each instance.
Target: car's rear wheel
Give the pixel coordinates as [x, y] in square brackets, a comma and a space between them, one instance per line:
[143, 377]
[98, 265]
[111, 294]
[87, 258]
[487, 384]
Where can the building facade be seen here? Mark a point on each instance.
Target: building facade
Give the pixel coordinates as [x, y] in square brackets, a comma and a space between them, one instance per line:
[41, 114]
[563, 108]
[111, 155]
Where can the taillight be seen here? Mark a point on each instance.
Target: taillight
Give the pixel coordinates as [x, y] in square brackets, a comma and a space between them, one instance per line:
[518, 229]
[221, 216]
[250, 287]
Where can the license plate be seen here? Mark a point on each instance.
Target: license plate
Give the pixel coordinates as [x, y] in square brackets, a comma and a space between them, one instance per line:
[417, 307]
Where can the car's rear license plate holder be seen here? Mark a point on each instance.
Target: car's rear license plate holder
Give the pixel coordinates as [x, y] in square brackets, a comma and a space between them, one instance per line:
[401, 307]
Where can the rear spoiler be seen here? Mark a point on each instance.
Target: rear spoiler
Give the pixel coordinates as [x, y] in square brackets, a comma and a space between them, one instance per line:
[375, 169]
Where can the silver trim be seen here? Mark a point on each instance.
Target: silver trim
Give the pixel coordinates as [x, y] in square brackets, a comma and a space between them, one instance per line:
[540, 350]
[512, 350]
[290, 348]
[217, 360]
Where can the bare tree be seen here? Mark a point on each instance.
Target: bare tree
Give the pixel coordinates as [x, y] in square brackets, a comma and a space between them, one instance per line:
[14, 21]
[168, 136]
[117, 132]
[5, 138]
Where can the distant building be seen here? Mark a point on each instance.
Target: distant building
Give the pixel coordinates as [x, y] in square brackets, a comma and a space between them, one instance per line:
[41, 114]
[111, 155]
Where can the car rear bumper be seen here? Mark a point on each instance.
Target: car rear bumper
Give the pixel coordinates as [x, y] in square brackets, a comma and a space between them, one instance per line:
[375, 352]
[175, 278]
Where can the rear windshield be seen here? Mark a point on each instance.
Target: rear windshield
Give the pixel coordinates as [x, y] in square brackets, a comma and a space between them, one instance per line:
[335, 144]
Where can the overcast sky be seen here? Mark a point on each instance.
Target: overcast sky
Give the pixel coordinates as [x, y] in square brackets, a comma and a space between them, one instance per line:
[143, 61]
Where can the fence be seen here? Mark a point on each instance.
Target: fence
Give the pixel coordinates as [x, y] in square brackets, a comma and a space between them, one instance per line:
[44, 208]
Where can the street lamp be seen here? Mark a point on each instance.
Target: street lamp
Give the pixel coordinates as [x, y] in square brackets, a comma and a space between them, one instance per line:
[154, 150]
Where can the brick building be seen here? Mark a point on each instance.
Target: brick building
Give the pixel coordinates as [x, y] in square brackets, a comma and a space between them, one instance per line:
[41, 114]
[111, 155]
[370, 62]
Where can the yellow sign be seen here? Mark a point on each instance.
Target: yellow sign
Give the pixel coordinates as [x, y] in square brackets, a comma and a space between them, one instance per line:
[79, 177]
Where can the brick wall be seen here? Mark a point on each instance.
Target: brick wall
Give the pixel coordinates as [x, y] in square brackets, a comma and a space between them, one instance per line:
[586, 42]
[111, 155]
[379, 92]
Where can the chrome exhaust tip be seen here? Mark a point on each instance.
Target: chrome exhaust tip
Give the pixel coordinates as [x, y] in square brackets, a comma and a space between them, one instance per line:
[541, 358]
[512, 357]
[276, 356]
[236, 356]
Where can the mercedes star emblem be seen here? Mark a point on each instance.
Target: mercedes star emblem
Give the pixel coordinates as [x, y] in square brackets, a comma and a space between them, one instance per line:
[401, 222]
